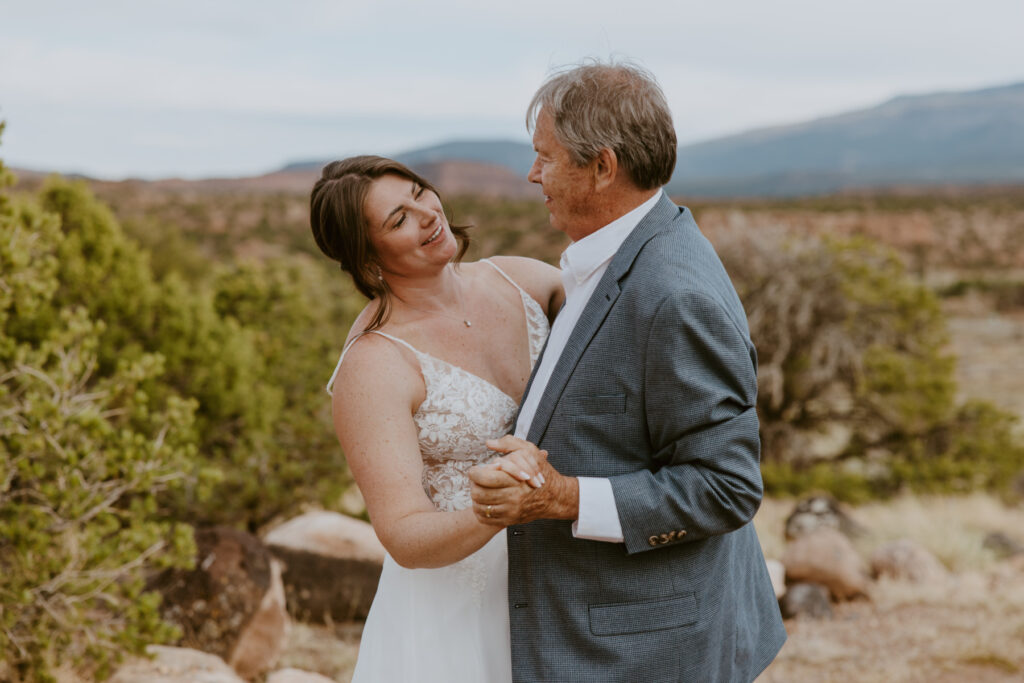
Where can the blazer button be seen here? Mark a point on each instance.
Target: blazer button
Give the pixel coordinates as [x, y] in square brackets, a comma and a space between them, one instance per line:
[680, 533]
[652, 541]
[517, 532]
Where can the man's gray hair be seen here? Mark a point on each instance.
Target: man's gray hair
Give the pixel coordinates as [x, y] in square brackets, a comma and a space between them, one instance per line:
[618, 106]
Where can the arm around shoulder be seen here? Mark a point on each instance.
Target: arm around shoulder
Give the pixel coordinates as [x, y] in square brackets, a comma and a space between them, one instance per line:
[541, 281]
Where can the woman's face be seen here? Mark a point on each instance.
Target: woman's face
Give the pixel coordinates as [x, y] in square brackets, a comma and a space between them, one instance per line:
[407, 226]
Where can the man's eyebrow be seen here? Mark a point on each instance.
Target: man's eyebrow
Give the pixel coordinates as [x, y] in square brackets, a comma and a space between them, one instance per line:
[399, 207]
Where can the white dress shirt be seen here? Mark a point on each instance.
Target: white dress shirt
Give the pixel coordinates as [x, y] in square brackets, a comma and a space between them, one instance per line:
[583, 263]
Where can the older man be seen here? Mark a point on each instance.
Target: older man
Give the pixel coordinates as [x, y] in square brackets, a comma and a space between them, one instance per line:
[636, 560]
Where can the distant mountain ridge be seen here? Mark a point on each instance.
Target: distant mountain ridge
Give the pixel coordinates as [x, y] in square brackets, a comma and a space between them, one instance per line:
[947, 138]
[974, 137]
[516, 156]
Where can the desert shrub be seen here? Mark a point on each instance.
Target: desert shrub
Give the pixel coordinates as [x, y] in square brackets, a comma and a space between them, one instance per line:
[85, 454]
[1006, 294]
[844, 342]
[251, 344]
[856, 389]
[507, 226]
[299, 312]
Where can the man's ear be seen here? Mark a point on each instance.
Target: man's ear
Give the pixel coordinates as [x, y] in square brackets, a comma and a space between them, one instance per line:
[605, 169]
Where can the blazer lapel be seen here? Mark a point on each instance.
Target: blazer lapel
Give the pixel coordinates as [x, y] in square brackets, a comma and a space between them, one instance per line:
[596, 310]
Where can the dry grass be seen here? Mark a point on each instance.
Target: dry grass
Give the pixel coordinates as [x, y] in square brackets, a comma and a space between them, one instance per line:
[990, 353]
[951, 527]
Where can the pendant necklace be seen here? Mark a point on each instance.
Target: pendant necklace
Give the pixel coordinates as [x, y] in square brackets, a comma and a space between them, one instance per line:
[465, 321]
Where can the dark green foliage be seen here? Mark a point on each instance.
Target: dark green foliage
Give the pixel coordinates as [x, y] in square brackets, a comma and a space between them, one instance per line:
[85, 453]
[298, 313]
[133, 404]
[252, 344]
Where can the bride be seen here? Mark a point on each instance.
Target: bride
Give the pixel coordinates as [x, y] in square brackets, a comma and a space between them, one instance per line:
[434, 366]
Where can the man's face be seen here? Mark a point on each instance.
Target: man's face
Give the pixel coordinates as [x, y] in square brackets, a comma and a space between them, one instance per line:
[568, 188]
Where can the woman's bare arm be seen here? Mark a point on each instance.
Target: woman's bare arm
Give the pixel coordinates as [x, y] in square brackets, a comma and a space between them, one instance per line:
[375, 395]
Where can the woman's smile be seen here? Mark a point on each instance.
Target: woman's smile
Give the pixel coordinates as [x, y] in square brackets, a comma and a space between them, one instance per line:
[435, 235]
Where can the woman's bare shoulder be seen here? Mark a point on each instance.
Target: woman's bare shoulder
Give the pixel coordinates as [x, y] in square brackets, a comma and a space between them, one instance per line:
[376, 365]
[541, 281]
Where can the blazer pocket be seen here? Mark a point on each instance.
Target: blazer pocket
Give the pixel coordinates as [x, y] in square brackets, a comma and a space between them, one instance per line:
[594, 404]
[640, 617]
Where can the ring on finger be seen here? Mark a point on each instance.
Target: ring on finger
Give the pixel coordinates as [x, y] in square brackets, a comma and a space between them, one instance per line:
[487, 512]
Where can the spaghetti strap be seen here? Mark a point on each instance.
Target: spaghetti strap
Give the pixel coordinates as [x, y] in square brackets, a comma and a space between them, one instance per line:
[505, 275]
[337, 368]
[400, 341]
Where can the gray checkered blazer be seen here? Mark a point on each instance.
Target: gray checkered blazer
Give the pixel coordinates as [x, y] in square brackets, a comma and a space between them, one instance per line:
[656, 390]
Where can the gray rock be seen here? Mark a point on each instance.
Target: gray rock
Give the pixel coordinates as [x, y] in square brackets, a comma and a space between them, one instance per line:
[175, 665]
[332, 564]
[777, 572]
[297, 676]
[808, 600]
[264, 637]
[907, 560]
[1003, 545]
[827, 557]
[818, 512]
[231, 604]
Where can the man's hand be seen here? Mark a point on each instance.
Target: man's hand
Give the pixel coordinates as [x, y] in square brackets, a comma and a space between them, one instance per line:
[501, 500]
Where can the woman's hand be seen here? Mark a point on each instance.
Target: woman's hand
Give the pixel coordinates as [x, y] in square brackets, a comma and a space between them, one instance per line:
[522, 465]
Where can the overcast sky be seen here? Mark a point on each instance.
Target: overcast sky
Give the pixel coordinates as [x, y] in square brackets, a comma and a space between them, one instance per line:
[200, 88]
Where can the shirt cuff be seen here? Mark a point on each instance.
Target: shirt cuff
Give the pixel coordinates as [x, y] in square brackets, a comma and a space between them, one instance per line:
[599, 518]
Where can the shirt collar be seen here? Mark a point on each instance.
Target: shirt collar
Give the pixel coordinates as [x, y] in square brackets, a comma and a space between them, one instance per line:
[582, 258]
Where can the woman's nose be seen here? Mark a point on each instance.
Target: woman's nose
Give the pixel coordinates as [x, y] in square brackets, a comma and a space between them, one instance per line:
[424, 214]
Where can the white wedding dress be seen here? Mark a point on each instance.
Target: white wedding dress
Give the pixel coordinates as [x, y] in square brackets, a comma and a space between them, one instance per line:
[449, 625]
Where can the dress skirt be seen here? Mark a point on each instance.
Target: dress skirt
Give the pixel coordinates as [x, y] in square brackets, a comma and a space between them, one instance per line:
[444, 625]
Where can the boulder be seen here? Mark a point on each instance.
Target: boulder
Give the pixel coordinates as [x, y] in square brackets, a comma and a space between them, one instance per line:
[175, 665]
[297, 676]
[819, 512]
[808, 600]
[332, 564]
[1003, 545]
[1017, 486]
[264, 638]
[231, 604]
[777, 572]
[827, 557]
[906, 560]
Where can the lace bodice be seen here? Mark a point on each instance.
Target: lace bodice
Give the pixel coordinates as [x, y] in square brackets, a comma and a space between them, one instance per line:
[461, 411]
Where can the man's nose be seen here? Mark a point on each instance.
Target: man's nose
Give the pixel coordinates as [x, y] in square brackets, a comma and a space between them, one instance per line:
[534, 175]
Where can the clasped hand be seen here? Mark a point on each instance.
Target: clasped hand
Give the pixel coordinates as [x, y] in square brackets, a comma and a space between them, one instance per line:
[517, 487]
